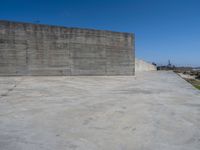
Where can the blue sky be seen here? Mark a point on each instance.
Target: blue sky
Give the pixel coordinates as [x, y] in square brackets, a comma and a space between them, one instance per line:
[164, 29]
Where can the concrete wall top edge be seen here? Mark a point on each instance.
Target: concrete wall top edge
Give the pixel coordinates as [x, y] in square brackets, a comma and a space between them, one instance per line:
[68, 28]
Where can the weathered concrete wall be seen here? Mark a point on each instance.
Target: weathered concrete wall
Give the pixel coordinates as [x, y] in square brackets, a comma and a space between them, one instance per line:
[141, 65]
[32, 49]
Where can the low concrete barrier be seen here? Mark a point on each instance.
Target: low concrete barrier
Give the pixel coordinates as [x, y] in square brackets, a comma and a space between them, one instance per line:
[141, 65]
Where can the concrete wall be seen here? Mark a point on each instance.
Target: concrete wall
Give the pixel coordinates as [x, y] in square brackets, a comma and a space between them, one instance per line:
[141, 65]
[32, 49]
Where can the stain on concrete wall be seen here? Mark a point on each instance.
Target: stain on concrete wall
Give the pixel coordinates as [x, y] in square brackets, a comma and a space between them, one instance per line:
[33, 49]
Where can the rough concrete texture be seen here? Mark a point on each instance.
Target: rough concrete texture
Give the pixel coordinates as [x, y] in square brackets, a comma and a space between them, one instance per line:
[141, 65]
[33, 49]
[152, 111]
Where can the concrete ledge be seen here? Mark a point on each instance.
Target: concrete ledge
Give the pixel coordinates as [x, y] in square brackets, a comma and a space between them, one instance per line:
[141, 65]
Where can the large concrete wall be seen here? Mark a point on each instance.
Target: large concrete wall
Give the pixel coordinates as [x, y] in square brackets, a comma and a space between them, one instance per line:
[32, 49]
[141, 65]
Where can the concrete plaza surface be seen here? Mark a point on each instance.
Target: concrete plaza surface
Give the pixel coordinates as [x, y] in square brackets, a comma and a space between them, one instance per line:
[152, 111]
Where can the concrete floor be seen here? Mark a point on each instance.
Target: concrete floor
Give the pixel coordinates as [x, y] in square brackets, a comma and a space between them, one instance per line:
[152, 111]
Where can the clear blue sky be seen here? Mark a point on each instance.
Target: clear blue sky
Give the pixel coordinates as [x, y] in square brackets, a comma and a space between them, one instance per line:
[164, 29]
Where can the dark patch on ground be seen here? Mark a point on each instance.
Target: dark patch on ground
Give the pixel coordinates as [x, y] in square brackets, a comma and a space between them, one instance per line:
[4, 95]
